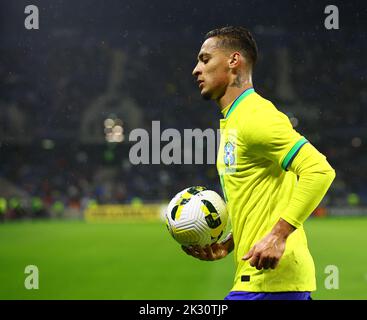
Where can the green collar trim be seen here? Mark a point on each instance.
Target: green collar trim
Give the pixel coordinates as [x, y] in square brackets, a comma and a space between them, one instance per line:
[238, 100]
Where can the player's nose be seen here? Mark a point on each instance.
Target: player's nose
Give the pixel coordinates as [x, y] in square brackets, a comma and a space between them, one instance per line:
[196, 71]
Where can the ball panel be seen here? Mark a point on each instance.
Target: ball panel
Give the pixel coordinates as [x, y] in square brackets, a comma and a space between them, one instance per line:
[196, 216]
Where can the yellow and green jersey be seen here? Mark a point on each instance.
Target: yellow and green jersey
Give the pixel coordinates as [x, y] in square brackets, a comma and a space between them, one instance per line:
[257, 147]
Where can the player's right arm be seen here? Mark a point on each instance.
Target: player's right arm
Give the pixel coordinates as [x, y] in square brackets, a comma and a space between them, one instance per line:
[213, 252]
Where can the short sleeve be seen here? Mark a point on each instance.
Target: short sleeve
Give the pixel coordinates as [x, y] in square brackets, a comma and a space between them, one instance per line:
[270, 134]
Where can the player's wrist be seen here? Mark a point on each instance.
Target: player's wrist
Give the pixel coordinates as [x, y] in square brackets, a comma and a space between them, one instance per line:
[228, 243]
[282, 229]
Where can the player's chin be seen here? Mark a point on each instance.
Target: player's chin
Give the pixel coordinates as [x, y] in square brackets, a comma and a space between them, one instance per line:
[206, 95]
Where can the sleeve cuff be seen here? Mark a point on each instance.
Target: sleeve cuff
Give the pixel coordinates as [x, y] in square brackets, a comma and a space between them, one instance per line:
[293, 152]
[291, 221]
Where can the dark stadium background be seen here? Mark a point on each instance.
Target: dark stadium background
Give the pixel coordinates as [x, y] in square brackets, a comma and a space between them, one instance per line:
[132, 60]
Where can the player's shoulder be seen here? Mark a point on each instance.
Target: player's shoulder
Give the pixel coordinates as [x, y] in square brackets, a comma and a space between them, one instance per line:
[261, 110]
[259, 104]
[263, 120]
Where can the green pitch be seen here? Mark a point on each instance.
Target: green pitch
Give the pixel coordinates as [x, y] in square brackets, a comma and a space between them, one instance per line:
[77, 260]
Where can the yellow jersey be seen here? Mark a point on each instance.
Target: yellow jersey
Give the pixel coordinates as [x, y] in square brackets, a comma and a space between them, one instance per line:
[257, 146]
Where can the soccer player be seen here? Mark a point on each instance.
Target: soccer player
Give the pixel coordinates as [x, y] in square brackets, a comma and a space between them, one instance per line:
[272, 177]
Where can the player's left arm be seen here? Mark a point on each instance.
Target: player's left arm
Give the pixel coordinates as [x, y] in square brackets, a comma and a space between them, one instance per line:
[315, 177]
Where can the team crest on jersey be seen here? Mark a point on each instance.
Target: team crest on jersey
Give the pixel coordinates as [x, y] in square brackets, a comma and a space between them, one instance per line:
[229, 155]
[229, 151]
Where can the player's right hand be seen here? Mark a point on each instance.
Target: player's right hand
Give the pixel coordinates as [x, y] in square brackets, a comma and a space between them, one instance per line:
[212, 252]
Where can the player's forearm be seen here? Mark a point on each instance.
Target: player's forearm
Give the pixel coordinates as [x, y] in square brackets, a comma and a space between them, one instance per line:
[315, 177]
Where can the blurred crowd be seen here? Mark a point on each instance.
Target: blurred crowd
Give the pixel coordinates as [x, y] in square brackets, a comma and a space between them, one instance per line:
[54, 104]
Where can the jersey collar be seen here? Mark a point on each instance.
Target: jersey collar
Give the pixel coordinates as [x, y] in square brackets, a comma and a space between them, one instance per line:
[237, 101]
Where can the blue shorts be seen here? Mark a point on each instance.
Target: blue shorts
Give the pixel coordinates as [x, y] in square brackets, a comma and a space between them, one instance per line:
[243, 295]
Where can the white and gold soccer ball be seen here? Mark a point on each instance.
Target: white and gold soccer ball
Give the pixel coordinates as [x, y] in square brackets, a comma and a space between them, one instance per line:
[196, 216]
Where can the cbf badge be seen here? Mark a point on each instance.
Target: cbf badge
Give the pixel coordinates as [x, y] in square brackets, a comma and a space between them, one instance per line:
[230, 157]
[229, 154]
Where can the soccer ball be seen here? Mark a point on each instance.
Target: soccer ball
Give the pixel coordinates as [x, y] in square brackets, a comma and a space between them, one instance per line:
[196, 216]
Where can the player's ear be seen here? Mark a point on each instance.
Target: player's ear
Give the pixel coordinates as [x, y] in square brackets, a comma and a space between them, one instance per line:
[234, 59]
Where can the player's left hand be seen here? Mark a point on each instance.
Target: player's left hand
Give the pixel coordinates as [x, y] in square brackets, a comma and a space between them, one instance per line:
[266, 253]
